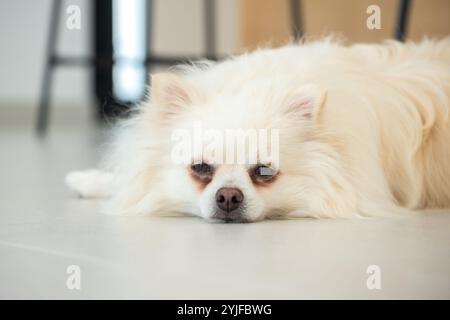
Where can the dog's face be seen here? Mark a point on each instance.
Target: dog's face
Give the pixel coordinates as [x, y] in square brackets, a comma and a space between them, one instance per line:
[266, 176]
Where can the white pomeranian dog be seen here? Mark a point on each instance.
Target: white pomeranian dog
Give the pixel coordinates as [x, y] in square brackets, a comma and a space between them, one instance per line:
[350, 131]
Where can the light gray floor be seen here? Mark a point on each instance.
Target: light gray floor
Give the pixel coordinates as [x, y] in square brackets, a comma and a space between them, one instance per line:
[44, 229]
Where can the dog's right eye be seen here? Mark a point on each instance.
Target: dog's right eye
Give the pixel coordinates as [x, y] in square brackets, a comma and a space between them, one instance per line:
[202, 169]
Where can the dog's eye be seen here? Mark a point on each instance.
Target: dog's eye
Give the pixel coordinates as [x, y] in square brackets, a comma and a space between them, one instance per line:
[264, 173]
[202, 169]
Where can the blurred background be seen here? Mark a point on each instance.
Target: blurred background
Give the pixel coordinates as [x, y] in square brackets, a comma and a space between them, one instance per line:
[95, 63]
[68, 66]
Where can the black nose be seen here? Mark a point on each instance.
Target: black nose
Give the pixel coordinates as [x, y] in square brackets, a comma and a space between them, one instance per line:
[229, 199]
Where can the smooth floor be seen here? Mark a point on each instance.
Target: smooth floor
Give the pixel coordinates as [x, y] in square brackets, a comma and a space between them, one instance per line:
[45, 229]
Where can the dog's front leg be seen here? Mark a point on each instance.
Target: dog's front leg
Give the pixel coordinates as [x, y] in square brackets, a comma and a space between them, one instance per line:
[91, 183]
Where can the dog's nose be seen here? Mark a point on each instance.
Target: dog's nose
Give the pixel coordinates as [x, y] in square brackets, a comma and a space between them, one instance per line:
[229, 199]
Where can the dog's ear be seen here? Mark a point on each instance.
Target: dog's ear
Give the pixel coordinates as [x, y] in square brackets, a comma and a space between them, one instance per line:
[306, 101]
[171, 93]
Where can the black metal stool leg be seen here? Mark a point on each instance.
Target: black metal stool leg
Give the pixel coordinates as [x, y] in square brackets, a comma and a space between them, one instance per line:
[47, 78]
[149, 28]
[402, 19]
[210, 29]
[296, 16]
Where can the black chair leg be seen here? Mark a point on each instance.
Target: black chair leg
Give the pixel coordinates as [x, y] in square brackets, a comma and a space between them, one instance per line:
[47, 78]
[210, 29]
[402, 19]
[296, 16]
[103, 51]
[149, 36]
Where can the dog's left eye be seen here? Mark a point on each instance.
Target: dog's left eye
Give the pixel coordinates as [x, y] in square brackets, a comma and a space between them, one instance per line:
[264, 173]
[202, 169]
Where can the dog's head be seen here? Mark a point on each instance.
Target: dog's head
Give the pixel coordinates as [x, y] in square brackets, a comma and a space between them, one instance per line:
[270, 166]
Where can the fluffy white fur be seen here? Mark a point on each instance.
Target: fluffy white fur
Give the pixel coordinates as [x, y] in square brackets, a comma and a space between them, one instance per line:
[365, 131]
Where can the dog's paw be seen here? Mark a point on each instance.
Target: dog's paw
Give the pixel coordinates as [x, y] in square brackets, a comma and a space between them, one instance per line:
[90, 183]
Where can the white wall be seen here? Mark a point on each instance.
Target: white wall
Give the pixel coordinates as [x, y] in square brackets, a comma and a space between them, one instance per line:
[23, 33]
